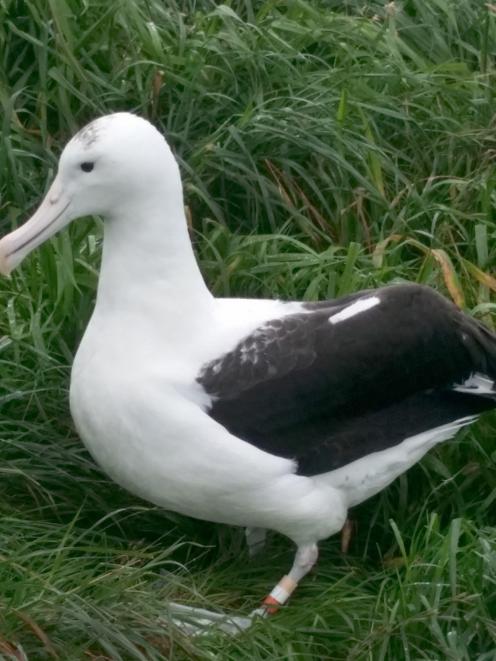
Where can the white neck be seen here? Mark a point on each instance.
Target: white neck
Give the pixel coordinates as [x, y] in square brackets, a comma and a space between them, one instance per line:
[149, 270]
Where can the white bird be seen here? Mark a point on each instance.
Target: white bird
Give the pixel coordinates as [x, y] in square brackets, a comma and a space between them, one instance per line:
[258, 413]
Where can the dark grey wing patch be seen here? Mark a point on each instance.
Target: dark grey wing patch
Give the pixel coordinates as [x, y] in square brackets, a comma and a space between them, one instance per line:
[270, 352]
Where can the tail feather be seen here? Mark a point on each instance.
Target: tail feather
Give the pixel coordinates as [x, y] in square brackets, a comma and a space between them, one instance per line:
[478, 384]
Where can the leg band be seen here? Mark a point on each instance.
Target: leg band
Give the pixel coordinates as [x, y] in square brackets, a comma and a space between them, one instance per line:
[279, 595]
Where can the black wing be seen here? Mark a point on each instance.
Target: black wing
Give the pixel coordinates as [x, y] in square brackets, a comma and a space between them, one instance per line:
[329, 393]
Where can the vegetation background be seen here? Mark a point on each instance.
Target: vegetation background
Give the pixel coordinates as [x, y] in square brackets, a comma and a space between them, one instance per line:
[325, 146]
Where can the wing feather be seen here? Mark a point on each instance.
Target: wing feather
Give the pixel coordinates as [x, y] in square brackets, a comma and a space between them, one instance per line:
[295, 383]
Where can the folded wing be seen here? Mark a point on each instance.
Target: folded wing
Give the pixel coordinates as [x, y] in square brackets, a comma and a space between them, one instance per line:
[346, 378]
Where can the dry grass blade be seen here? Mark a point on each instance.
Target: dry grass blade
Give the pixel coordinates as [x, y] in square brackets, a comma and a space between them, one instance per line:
[484, 278]
[39, 633]
[450, 276]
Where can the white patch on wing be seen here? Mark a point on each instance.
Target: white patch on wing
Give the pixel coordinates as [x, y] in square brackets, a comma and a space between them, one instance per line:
[477, 384]
[238, 318]
[355, 308]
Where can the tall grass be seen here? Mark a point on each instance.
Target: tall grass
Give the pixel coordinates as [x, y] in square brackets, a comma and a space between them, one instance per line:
[325, 147]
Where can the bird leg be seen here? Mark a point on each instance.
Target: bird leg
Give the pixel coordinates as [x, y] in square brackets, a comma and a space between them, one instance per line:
[305, 558]
[255, 539]
[197, 621]
[346, 535]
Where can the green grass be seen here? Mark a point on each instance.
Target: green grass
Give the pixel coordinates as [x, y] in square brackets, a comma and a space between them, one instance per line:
[325, 147]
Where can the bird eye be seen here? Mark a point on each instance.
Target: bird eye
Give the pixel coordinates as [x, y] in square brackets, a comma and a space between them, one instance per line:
[87, 166]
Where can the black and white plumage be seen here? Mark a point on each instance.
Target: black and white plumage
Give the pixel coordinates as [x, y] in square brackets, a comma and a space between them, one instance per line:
[346, 378]
[249, 412]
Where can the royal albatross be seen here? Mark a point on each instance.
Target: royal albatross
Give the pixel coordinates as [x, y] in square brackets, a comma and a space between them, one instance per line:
[258, 413]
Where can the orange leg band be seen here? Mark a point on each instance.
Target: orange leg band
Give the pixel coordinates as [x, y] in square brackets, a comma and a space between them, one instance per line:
[279, 595]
